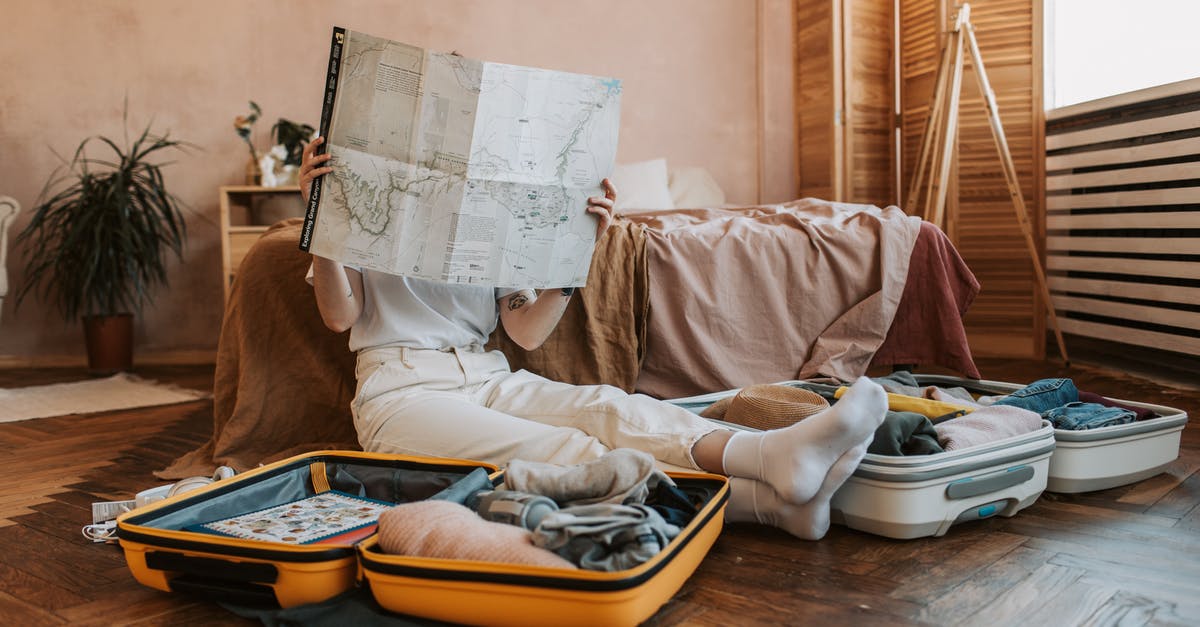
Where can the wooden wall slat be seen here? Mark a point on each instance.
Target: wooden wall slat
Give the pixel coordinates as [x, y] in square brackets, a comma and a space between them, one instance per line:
[1127, 311]
[1126, 289]
[1160, 245]
[1142, 337]
[1132, 220]
[1138, 198]
[1145, 152]
[1140, 128]
[1125, 176]
[1133, 267]
[1122, 102]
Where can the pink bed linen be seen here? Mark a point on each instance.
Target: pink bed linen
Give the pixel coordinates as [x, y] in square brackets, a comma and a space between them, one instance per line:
[761, 294]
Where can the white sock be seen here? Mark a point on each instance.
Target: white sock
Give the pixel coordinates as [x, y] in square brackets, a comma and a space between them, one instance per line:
[794, 460]
[755, 501]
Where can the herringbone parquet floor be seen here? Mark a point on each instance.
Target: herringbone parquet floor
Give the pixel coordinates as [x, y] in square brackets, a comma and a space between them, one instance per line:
[1123, 556]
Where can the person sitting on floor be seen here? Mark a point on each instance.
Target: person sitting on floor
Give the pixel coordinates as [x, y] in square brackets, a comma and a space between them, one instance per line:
[425, 386]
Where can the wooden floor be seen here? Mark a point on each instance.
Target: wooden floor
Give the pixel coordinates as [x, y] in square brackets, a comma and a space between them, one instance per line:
[1126, 556]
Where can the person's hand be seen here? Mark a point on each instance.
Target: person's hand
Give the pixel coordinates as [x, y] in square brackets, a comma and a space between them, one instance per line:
[310, 166]
[602, 207]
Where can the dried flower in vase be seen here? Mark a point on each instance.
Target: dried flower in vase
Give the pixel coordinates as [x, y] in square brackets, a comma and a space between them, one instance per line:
[244, 124]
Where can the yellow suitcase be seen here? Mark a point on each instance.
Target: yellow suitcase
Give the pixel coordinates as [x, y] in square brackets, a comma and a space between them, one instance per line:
[484, 593]
[163, 554]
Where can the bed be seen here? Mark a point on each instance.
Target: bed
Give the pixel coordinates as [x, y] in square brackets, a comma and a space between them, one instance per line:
[678, 302]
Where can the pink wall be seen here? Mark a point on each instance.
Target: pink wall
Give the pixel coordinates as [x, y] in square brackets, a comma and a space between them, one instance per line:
[695, 92]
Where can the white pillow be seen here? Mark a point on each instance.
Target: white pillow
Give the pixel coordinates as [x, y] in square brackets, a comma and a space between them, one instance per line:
[642, 185]
[692, 187]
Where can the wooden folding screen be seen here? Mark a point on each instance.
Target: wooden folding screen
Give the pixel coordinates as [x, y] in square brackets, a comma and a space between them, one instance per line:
[845, 119]
[844, 100]
[1008, 317]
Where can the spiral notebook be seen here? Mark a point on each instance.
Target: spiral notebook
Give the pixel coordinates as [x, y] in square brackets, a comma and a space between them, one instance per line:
[331, 517]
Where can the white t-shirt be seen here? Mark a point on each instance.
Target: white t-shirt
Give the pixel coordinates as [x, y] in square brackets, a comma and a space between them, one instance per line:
[403, 311]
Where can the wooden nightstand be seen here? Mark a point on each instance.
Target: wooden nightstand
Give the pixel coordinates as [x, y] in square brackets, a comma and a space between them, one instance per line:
[246, 213]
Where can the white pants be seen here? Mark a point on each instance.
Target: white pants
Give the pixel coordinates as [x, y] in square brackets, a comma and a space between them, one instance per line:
[468, 404]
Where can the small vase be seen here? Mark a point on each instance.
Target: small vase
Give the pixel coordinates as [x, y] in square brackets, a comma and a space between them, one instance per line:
[253, 173]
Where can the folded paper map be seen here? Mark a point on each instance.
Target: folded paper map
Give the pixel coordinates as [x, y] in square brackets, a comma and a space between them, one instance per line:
[456, 170]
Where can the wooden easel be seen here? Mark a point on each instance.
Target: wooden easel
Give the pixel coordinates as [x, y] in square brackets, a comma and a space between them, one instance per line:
[938, 144]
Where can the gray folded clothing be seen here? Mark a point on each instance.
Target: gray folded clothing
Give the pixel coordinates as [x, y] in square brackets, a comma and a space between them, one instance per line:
[605, 536]
[905, 433]
[621, 475]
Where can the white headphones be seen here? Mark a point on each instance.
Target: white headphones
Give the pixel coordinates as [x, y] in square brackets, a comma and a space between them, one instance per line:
[191, 483]
[106, 531]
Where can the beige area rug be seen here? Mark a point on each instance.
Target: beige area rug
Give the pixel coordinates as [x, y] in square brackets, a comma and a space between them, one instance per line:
[120, 391]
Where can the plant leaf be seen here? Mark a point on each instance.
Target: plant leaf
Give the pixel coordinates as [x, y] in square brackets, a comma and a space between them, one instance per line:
[95, 240]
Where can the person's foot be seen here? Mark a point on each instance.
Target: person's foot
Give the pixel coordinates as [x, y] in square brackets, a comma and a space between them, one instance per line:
[755, 501]
[794, 460]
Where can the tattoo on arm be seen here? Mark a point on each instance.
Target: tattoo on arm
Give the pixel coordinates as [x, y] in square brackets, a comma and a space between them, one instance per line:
[517, 301]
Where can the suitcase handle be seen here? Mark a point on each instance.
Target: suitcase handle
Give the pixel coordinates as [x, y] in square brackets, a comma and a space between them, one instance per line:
[237, 573]
[974, 486]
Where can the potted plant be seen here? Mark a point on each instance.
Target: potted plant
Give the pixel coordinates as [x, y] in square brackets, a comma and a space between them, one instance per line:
[97, 246]
[280, 165]
[292, 136]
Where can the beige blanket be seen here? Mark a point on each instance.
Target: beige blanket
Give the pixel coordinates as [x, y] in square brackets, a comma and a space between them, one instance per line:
[763, 294]
[283, 381]
[601, 337]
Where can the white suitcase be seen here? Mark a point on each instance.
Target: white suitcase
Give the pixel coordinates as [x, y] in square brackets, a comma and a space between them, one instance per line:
[924, 495]
[1098, 459]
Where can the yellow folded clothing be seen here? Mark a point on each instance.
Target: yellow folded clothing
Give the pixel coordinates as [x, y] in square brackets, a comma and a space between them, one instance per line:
[924, 406]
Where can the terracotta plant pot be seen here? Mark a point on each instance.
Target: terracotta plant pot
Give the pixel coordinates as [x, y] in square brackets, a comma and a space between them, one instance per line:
[109, 342]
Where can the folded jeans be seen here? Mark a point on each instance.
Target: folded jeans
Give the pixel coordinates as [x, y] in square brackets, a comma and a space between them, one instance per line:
[1042, 395]
[1078, 416]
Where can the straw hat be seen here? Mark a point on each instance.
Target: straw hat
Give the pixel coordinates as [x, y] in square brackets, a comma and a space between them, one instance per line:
[767, 406]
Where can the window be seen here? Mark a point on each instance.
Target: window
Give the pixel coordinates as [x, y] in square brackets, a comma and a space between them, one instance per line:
[1098, 48]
